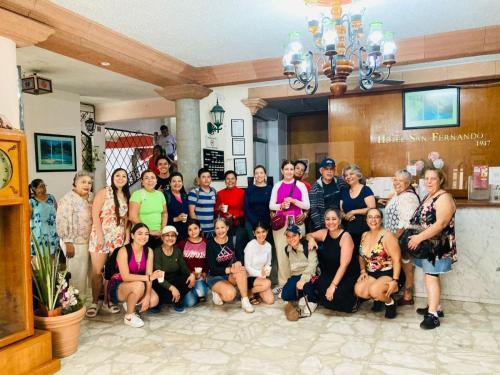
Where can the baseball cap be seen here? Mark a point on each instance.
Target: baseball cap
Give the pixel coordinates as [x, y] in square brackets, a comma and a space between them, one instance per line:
[294, 229]
[168, 229]
[327, 163]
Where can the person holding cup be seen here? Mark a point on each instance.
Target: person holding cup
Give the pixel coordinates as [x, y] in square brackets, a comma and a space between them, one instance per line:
[258, 265]
[178, 279]
[194, 252]
[225, 269]
[132, 283]
[230, 204]
[177, 205]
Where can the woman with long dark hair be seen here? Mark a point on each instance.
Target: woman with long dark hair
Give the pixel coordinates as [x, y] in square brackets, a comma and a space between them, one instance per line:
[110, 220]
[177, 205]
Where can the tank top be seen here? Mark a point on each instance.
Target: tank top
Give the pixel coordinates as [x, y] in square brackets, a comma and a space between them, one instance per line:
[378, 259]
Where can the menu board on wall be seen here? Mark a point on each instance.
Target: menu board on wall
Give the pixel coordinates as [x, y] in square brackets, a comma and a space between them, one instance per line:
[214, 161]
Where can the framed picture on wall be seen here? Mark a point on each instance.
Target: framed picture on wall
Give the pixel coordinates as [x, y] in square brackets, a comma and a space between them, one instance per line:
[240, 166]
[55, 153]
[431, 108]
[237, 128]
[238, 146]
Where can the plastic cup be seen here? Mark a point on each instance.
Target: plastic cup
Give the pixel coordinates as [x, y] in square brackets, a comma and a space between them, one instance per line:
[267, 270]
[197, 271]
[162, 277]
[225, 207]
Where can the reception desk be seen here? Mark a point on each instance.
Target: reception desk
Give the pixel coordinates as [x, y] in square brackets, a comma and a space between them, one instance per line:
[476, 275]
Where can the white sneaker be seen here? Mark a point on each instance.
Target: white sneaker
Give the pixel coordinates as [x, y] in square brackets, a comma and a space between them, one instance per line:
[134, 321]
[216, 299]
[246, 305]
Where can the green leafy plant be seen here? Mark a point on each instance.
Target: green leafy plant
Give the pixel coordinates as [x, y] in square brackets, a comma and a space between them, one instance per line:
[51, 286]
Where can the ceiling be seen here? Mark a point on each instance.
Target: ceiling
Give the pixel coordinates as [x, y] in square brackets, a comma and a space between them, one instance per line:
[294, 107]
[212, 32]
[95, 85]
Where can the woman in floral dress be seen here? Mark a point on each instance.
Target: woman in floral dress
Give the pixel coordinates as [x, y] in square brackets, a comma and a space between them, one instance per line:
[43, 216]
[110, 219]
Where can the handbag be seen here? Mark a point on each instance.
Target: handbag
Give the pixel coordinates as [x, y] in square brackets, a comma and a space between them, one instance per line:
[423, 251]
[279, 218]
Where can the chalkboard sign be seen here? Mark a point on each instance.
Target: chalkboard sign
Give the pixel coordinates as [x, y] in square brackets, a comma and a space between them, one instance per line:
[214, 161]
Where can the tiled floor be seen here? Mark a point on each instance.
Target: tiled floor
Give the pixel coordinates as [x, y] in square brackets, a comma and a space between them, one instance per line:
[225, 340]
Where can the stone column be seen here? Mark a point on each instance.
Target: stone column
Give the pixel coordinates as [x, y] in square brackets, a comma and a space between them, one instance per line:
[187, 113]
[15, 30]
[9, 96]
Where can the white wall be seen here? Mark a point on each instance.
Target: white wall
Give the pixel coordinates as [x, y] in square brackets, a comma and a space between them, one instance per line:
[56, 113]
[9, 104]
[230, 99]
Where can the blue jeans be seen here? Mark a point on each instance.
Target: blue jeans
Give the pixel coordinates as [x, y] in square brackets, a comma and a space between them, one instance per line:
[290, 292]
[200, 289]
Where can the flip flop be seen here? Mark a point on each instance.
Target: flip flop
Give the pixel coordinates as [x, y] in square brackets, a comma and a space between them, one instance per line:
[92, 310]
[255, 300]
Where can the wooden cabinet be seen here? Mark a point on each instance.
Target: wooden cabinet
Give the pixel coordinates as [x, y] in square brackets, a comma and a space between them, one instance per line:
[16, 297]
[16, 314]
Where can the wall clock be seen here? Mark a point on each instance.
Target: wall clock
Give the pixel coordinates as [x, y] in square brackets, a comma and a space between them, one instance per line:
[5, 169]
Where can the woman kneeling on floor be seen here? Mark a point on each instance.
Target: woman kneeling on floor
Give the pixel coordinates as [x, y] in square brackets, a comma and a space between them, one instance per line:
[302, 264]
[379, 260]
[258, 265]
[225, 269]
[132, 281]
[178, 279]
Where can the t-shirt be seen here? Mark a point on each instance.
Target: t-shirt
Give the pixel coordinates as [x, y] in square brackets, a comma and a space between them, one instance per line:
[173, 265]
[168, 143]
[349, 204]
[256, 257]
[234, 198]
[162, 183]
[331, 195]
[194, 254]
[219, 257]
[151, 207]
[257, 204]
[204, 203]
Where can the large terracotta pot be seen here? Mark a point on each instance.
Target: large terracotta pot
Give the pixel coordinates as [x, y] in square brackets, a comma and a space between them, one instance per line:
[65, 331]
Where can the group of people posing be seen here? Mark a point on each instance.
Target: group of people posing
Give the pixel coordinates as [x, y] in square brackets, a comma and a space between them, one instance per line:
[163, 245]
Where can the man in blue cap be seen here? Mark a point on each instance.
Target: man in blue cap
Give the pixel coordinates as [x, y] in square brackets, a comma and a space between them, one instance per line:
[325, 193]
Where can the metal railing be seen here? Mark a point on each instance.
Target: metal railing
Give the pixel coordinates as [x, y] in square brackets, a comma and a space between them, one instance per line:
[87, 162]
[128, 150]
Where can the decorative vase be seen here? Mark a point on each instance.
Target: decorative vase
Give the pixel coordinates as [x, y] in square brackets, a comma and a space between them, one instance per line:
[65, 331]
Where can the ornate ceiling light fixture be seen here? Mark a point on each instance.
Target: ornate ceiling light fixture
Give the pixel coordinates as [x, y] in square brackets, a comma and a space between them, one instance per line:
[340, 38]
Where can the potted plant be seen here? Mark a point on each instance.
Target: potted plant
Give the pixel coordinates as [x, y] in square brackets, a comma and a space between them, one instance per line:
[60, 309]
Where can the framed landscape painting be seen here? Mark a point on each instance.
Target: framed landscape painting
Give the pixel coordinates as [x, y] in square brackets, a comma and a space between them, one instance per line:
[55, 153]
[431, 108]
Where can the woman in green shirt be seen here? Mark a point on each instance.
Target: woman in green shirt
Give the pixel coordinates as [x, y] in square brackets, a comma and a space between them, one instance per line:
[178, 278]
[148, 206]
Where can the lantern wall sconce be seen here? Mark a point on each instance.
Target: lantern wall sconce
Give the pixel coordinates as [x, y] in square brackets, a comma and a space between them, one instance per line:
[36, 85]
[217, 114]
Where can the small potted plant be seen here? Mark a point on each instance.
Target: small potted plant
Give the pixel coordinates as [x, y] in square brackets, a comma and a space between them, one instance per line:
[60, 309]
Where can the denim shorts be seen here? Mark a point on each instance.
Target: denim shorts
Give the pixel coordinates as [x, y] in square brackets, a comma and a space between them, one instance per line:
[113, 292]
[212, 280]
[442, 265]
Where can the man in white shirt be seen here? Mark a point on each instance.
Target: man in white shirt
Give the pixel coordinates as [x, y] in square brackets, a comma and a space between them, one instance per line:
[167, 142]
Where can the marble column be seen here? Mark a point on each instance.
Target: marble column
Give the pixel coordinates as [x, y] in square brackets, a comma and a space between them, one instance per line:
[187, 113]
[9, 95]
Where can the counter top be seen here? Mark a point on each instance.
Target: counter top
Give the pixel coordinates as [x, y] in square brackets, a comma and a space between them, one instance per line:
[465, 203]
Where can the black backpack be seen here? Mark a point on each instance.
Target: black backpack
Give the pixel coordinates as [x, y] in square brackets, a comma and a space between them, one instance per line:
[110, 268]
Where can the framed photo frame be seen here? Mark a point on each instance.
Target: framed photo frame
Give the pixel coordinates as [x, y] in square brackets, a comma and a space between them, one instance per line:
[240, 166]
[238, 146]
[237, 128]
[55, 152]
[431, 108]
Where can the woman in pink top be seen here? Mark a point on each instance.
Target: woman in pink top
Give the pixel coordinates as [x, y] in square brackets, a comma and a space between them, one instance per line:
[194, 252]
[132, 283]
[289, 198]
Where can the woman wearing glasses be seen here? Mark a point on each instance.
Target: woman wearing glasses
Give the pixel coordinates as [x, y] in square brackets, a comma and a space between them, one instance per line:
[379, 260]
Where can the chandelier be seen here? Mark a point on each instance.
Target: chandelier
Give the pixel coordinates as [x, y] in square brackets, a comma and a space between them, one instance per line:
[341, 40]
